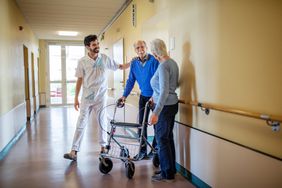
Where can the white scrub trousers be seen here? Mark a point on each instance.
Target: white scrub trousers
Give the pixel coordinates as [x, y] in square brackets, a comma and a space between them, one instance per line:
[91, 111]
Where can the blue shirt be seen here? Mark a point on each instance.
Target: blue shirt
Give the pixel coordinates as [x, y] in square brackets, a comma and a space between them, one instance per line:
[142, 74]
[164, 83]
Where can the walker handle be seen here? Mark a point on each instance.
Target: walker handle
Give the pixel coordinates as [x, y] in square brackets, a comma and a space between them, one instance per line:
[120, 103]
[151, 105]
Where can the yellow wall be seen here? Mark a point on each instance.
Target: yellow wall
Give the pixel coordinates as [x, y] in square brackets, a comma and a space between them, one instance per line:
[123, 28]
[12, 84]
[229, 53]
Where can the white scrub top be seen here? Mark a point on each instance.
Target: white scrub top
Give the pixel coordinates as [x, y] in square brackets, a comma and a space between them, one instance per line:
[95, 77]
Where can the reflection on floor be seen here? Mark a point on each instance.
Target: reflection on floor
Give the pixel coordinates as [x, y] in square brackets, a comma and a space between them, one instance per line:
[36, 160]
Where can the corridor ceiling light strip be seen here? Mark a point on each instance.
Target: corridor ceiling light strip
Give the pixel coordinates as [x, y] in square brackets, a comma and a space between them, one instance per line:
[68, 33]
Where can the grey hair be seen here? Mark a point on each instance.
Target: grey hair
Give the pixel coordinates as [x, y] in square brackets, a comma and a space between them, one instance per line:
[135, 43]
[158, 47]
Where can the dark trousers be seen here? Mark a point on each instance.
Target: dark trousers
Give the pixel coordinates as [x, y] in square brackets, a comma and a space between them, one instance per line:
[165, 141]
[142, 102]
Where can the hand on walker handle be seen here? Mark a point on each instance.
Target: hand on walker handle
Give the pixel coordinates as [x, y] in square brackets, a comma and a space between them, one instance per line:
[120, 102]
[151, 103]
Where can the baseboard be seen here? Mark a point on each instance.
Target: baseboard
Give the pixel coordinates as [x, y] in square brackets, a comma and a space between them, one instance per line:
[187, 174]
[191, 177]
[8, 147]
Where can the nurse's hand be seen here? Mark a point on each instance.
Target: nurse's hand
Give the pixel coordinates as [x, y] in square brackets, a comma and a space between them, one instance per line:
[153, 119]
[124, 66]
[76, 104]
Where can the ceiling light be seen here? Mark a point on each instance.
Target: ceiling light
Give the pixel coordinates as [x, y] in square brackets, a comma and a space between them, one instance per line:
[68, 33]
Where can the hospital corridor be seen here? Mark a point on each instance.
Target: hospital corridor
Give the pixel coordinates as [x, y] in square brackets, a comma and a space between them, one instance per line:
[140, 93]
[36, 160]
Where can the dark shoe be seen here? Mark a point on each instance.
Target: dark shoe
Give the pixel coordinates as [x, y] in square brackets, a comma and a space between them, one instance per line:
[70, 156]
[158, 172]
[146, 157]
[159, 178]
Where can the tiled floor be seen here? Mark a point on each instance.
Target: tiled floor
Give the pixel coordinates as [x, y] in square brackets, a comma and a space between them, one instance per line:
[36, 160]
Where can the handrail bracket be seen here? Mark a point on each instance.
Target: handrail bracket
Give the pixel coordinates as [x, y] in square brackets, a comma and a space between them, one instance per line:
[275, 125]
[206, 110]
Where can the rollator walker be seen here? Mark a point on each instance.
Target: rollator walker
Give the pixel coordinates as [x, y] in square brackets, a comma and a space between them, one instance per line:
[123, 146]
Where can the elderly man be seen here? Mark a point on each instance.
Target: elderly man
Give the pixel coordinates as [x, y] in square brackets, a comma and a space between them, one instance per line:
[142, 69]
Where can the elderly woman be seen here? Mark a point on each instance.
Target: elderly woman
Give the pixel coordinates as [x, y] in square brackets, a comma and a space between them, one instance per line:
[164, 83]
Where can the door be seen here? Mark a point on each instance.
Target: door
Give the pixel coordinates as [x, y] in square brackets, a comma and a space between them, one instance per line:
[26, 81]
[33, 83]
[62, 64]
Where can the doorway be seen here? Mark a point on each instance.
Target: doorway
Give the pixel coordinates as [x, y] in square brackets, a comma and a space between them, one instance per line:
[62, 62]
[26, 81]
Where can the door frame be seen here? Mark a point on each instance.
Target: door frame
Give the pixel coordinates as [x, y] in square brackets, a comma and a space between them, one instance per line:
[33, 83]
[63, 68]
[118, 80]
[26, 81]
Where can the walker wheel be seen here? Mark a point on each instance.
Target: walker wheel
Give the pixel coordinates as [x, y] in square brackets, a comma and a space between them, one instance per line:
[156, 160]
[129, 169]
[105, 165]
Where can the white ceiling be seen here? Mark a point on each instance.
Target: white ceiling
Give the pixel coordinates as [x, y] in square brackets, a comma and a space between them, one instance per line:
[47, 17]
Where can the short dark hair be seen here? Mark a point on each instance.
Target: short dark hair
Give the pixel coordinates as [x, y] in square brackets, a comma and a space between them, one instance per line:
[89, 39]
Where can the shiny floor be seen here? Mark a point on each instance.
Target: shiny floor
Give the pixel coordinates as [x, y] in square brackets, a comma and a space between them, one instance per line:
[36, 160]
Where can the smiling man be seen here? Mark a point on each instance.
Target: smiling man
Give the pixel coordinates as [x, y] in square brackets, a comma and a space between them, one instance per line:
[91, 73]
[142, 69]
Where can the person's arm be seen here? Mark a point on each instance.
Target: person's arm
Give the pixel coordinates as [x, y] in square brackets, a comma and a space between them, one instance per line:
[130, 82]
[164, 89]
[111, 63]
[164, 92]
[77, 90]
[153, 118]
[124, 66]
[79, 73]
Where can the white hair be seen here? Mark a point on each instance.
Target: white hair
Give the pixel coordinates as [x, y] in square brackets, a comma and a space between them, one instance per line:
[142, 41]
[158, 47]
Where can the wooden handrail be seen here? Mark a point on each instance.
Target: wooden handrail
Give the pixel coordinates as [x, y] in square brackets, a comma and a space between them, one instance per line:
[272, 120]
